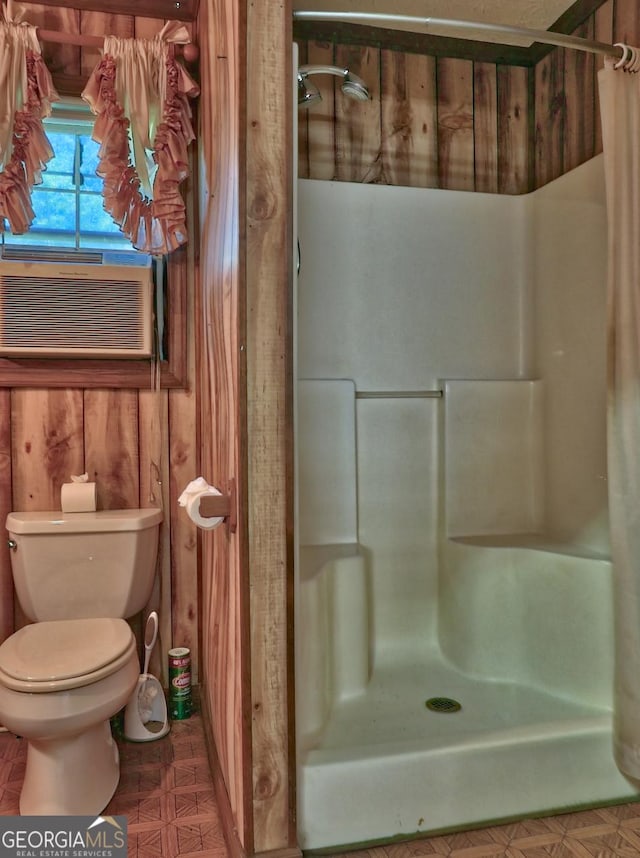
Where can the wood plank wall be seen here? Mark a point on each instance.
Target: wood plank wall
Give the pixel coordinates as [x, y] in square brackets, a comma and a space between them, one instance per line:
[269, 331]
[457, 124]
[431, 122]
[139, 446]
[222, 395]
[245, 386]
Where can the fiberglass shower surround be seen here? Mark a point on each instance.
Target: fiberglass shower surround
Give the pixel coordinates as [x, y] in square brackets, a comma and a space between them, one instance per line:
[432, 530]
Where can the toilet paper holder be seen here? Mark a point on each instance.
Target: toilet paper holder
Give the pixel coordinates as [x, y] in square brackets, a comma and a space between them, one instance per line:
[221, 506]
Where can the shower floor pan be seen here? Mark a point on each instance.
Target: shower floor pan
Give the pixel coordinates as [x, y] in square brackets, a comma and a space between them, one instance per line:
[386, 766]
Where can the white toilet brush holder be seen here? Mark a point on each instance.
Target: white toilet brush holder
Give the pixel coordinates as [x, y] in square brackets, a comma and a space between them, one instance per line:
[145, 716]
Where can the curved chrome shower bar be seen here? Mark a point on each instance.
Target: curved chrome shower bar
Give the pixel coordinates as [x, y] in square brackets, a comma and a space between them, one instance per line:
[308, 94]
[543, 36]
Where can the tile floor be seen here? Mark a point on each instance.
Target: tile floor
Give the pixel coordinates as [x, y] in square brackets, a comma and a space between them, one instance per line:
[166, 792]
[612, 832]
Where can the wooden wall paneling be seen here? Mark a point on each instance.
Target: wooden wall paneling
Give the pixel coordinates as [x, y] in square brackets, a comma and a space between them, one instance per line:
[111, 446]
[455, 124]
[221, 385]
[184, 542]
[514, 143]
[185, 10]
[46, 445]
[153, 447]
[223, 660]
[155, 479]
[154, 492]
[321, 118]
[303, 122]
[549, 112]
[6, 505]
[409, 120]
[485, 127]
[269, 399]
[626, 22]
[102, 24]
[146, 28]
[46, 448]
[112, 460]
[60, 59]
[579, 127]
[184, 467]
[358, 143]
[603, 29]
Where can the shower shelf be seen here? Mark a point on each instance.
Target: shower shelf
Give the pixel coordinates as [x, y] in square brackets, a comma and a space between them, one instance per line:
[533, 542]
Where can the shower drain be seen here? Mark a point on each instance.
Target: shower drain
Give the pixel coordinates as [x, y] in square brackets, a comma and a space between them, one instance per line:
[443, 704]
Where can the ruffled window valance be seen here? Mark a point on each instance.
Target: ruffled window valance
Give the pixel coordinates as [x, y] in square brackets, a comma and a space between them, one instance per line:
[140, 96]
[26, 94]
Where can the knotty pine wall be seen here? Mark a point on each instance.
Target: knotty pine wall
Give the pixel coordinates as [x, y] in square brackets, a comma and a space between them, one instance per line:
[222, 388]
[430, 123]
[139, 446]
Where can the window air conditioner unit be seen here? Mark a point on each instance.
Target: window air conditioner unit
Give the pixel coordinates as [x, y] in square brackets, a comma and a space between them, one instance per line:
[74, 309]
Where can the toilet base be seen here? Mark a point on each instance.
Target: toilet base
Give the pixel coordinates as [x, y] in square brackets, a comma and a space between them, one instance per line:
[74, 775]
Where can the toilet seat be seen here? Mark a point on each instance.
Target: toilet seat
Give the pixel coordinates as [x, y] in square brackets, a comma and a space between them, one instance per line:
[61, 654]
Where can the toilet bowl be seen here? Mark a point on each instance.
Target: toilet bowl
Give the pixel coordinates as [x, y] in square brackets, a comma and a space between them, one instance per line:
[60, 683]
[78, 576]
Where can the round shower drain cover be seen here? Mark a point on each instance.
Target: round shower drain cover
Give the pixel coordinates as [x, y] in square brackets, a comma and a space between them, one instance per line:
[443, 704]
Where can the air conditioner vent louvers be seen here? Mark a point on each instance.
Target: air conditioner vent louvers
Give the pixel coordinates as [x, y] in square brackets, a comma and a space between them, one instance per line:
[41, 254]
[76, 311]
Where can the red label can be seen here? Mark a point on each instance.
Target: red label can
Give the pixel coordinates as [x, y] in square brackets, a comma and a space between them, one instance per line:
[179, 683]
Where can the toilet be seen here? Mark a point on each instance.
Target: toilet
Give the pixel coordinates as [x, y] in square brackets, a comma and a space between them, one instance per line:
[77, 577]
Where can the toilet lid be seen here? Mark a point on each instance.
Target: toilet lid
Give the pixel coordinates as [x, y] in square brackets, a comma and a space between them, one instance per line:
[63, 649]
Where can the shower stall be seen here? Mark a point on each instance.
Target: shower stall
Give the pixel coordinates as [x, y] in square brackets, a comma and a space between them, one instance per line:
[454, 633]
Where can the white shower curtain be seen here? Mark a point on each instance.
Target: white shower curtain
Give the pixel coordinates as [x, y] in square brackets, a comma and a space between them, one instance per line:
[620, 111]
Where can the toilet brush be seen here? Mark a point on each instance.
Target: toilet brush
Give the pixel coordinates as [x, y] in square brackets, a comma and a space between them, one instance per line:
[145, 717]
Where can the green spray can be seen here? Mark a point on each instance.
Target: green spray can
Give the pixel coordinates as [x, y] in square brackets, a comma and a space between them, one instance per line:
[179, 683]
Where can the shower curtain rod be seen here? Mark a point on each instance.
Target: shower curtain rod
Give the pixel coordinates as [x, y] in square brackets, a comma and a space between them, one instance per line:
[189, 50]
[544, 36]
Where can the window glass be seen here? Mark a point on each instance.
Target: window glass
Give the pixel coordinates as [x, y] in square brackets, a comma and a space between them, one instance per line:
[68, 204]
[89, 164]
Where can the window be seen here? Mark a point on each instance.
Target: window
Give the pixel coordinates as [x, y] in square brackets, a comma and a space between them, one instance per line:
[70, 220]
[68, 203]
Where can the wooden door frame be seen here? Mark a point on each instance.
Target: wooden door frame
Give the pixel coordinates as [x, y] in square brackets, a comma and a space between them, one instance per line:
[246, 393]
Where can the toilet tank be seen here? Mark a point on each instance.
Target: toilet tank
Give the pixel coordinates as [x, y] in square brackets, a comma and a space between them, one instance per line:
[83, 564]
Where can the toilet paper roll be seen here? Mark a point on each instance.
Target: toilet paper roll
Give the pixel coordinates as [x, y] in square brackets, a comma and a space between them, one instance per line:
[192, 506]
[78, 497]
